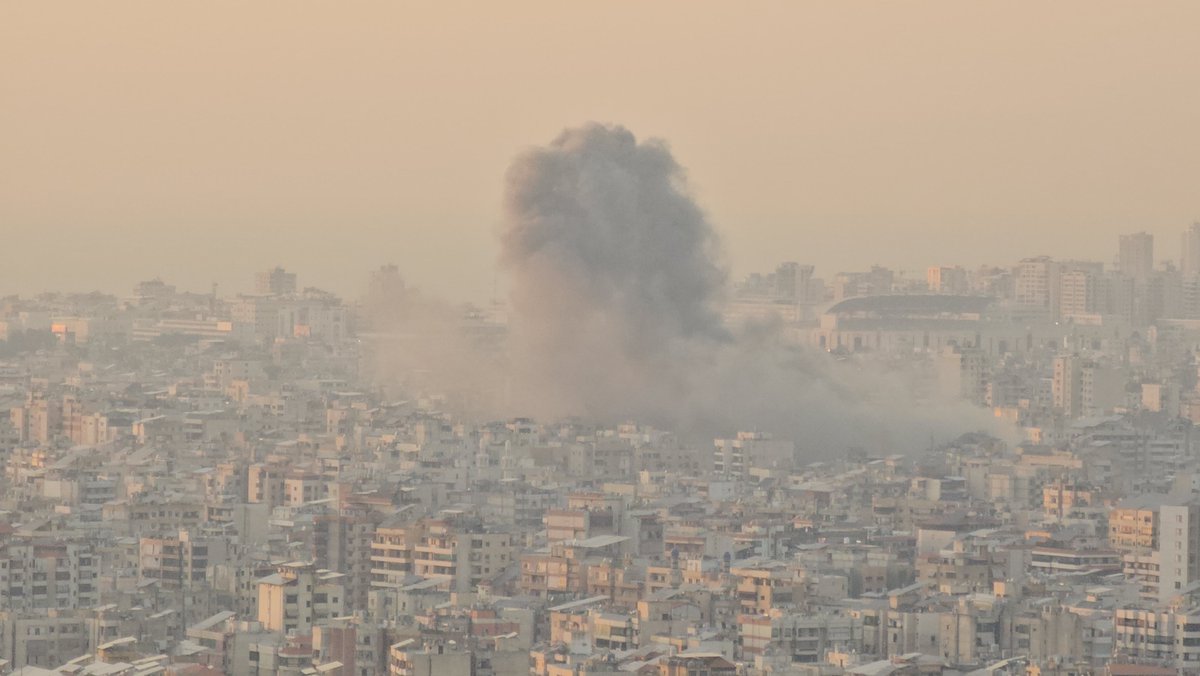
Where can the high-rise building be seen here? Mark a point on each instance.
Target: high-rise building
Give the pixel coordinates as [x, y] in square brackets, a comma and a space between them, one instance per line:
[941, 279]
[1116, 295]
[385, 283]
[392, 549]
[735, 457]
[1162, 295]
[1189, 298]
[298, 596]
[462, 552]
[793, 282]
[1178, 548]
[275, 282]
[962, 372]
[1135, 256]
[1036, 285]
[178, 561]
[40, 419]
[45, 573]
[1189, 254]
[342, 542]
[1133, 524]
[1067, 385]
[878, 281]
[1077, 291]
[1082, 387]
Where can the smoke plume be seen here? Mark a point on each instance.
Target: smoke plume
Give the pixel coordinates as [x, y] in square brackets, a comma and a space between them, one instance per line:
[616, 285]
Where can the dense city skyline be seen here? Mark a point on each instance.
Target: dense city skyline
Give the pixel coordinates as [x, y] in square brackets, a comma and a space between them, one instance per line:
[542, 338]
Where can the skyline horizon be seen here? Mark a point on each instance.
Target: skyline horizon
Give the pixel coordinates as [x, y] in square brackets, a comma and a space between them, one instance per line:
[241, 280]
[335, 141]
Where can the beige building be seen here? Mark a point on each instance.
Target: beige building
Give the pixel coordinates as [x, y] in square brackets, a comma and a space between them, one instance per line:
[962, 373]
[586, 515]
[442, 658]
[297, 596]
[276, 282]
[805, 637]
[135, 517]
[463, 554]
[48, 574]
[1036, 285]
[1178, 545]
[1135, 255]
[735, 457]
[392, 552]
[761, 588]
[179, 561]
[1082, 387]
[1062, 500]
[1077, 293]
[1133, 524]
[265, 484]
[947, 280]
[1172, 636]
[45, 639]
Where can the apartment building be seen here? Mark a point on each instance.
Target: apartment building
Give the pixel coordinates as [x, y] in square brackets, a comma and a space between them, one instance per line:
[463, 552]
[1167, 635]
[805, 637]
[735, 457]
[180, 561]
[47, 574]
[297, 596]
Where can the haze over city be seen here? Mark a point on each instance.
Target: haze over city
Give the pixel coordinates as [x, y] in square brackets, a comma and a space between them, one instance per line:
[569, 339]
[228, 137]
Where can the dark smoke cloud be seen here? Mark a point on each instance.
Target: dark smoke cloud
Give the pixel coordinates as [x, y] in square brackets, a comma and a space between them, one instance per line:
[616, 287]
[613, 273]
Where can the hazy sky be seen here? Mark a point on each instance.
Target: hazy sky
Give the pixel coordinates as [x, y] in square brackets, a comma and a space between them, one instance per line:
[202, 141]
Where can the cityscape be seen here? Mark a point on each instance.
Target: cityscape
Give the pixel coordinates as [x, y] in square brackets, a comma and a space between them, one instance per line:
[542, 338]
[201, 484]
